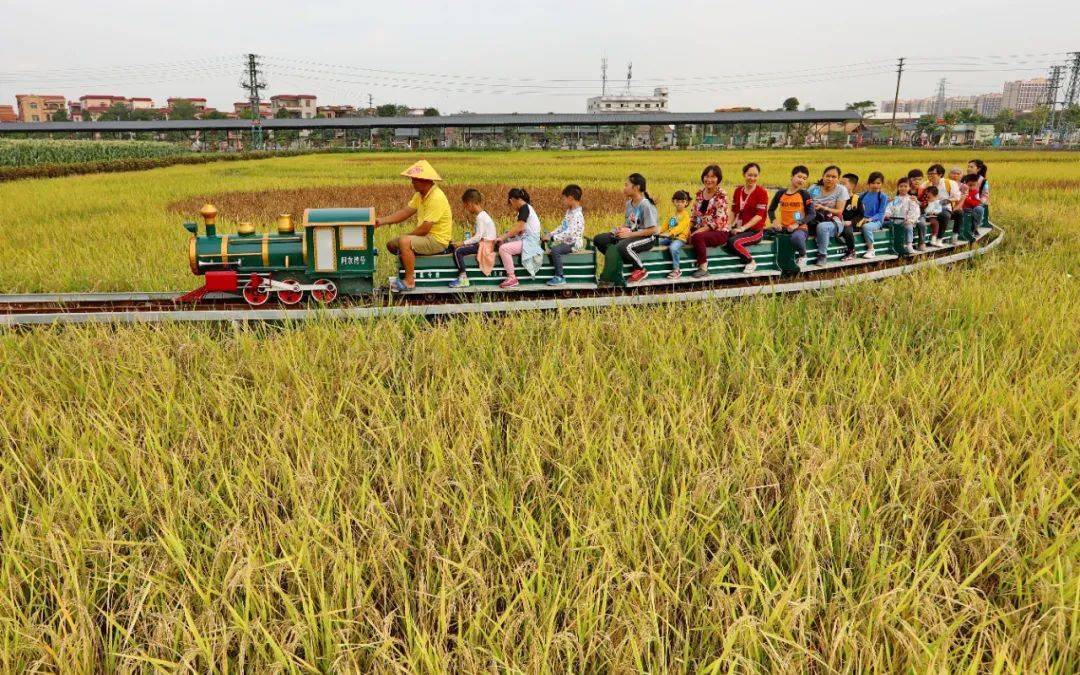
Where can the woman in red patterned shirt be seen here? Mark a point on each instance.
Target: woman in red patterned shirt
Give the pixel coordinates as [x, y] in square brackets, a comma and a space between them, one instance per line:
[709, 224]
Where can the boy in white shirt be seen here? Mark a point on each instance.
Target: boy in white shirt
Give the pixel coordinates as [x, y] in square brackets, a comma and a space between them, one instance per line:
[485, 231]
[904, 207]
[568, 235]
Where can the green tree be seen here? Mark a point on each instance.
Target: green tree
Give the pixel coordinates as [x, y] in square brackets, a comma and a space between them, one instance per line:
[284, 114]
[60, 115]
[182, 110]
[969, 116]
[214, 115]
[431, 112]
[116, 112]
[864, 108]
[791, 103]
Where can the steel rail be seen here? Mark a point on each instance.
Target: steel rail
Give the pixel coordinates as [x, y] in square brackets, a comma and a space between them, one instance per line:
[485, 307]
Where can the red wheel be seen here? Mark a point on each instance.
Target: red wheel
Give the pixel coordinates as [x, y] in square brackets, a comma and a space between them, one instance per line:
[290, 297]
[325, 295]
[255, 295]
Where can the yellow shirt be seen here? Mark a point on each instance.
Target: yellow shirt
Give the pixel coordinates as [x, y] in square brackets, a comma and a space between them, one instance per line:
[678, 227]
[435, 209]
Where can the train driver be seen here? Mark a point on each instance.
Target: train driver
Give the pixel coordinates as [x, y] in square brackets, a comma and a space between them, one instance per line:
[432, 211]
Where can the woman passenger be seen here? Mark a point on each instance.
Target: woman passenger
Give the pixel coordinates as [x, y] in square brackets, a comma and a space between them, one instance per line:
[709, 225]
[749, 211]
[829, 197]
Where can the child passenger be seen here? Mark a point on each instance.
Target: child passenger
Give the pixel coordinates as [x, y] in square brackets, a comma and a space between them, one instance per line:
[852, 215]
[933, 215]
[873, 203]
[568, 235]
[796, 210]
[485, 231]
[523, 238]
[905, 207]
[676, 232]
[973, 203]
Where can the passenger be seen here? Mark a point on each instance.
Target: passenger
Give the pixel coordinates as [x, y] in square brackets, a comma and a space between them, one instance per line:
[829, 197]
[852, 216]
[973, 202]
[568, 235]
[709, 225]
[432, 235]
[749, 210]
[637, 235]
[904, 207]
[523, 238]
[796, 210]
[915, 185]
[956, 175]
[676, 232]
[484, 231]
[873, 203]
[948, 194]
[978, 167]
[934, 217]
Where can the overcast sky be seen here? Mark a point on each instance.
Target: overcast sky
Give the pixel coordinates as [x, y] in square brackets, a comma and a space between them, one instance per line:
[486, 56]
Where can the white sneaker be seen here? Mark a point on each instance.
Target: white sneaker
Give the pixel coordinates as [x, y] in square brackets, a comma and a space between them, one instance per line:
[935, 242]
[750, 267]
[870, 253]
[908, 249]
[955, 239]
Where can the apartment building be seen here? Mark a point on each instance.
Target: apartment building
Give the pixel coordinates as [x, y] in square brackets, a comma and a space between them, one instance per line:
[658, 102]
[198, 103]
[1025, 95]
[335, 111]
[39, 107]
[298, 105]
[242, 108]
[8, 114]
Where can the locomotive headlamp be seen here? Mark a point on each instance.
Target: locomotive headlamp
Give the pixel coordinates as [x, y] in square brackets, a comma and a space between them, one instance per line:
[285, 224]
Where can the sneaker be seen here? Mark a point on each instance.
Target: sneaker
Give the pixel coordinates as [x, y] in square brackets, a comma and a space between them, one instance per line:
[922, 246]
[750, 267]
[850, 255]
[556, 281]
[460, 282]
[800, 260]
[509, 282]
[908, 249]
[955, 239]
[869, 253]
[701, 272]
[821, 260]
[638, 275]
[674, 274]
[935, 242]
[398, 286]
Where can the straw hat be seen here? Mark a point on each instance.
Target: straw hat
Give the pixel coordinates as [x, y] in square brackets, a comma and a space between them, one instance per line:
[421, 170]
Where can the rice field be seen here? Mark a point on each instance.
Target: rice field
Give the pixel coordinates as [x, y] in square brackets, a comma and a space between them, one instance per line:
[879, 478]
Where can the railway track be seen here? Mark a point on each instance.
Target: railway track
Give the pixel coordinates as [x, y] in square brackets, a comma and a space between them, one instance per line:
[158, 307]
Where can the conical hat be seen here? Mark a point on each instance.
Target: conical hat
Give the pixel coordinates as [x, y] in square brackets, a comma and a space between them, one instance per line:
[421, 170]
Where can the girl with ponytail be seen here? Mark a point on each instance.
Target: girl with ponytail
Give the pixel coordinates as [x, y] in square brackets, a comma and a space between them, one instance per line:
[637, 235]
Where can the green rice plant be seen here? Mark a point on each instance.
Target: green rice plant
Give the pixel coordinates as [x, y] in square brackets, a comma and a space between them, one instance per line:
[38, 152]
[880, 478]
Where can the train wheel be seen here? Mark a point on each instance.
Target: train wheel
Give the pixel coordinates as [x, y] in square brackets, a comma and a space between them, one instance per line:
[326, 295]
[290, 297]
[254, 295]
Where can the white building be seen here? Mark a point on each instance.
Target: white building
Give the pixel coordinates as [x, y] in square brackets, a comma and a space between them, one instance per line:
[658, 102]
[1024, 95]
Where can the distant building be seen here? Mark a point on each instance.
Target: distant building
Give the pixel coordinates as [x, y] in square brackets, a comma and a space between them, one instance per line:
[8, 114]
[141, 103]
[91, 106]
[335, 111]
[920, 106]
[242, 108]
[988, 105]
[300, 105]
[39, 107]
[198, 103]
[1025, 95]
[658, 102]
[966, 134]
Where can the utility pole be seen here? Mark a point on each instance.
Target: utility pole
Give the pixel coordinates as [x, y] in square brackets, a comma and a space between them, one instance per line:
[896, 97]
[939, 106]
[371, 104]
[629, 75]
[1072, 93]
[1052, 96]
[254, 86]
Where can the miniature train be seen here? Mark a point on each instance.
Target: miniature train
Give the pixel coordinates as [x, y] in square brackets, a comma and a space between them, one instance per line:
[334, 254]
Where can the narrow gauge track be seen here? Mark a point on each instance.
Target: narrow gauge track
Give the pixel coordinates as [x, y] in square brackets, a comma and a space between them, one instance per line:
[70, 308]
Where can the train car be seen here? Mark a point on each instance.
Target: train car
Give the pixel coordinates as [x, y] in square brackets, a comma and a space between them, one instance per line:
[334, 254]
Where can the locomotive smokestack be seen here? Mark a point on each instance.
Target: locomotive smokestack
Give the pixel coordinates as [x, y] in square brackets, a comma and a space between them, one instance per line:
[209, 215]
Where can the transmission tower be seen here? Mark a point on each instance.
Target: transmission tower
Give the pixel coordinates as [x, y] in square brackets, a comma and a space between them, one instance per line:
[1072, 93]
[254, 86]
[939, 106]
[1052, 96]
[629, 76]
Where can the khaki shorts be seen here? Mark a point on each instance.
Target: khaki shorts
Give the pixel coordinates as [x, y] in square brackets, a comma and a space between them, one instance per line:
[425, 245]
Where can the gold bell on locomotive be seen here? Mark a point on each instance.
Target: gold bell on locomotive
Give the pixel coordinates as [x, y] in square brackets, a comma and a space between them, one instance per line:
[285, 224]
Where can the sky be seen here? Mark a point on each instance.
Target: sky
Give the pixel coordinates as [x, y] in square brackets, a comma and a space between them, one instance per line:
[484, 56]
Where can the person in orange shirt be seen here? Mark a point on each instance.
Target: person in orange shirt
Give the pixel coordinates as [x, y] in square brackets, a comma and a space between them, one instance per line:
[796, 210]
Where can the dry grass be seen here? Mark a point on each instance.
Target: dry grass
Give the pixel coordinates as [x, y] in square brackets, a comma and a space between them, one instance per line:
[877, 479]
